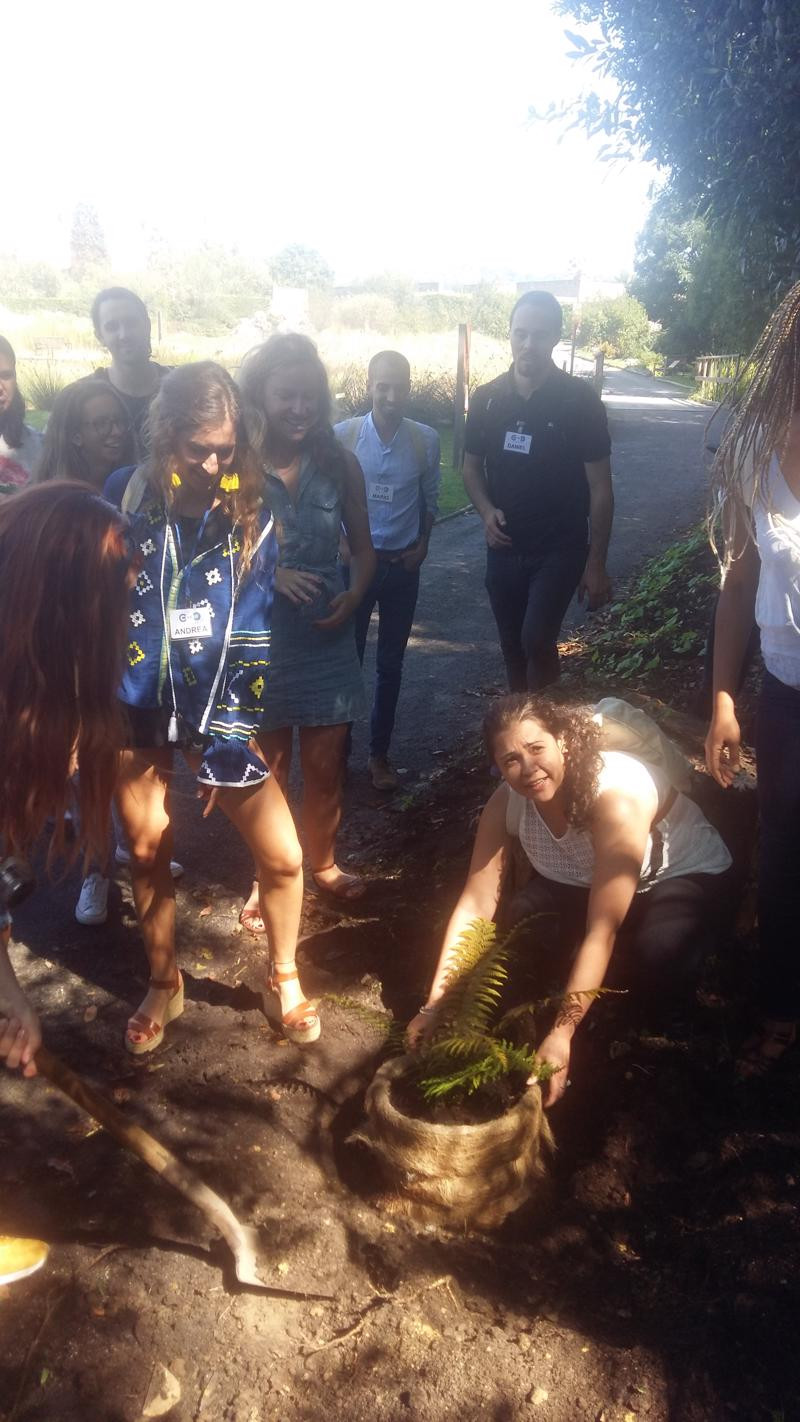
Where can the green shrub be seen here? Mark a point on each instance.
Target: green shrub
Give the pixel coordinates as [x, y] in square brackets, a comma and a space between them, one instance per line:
[619, 326]
[40, 383]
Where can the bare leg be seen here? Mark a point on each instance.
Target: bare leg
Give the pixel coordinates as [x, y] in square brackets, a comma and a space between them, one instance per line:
[322, 755]
[275, 747]
[263, 819]
[141, 798]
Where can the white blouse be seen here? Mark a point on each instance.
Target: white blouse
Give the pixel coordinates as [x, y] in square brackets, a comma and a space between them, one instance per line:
[777, 531]
[683, 842]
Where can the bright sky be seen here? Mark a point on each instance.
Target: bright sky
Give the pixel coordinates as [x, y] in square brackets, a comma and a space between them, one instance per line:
[390, 137]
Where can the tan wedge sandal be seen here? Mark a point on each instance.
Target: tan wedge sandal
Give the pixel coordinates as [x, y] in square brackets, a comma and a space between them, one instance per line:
[152, 1033]
[300, 1024]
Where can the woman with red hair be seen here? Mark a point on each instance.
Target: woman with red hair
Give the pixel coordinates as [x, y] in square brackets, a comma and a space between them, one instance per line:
[66, 564]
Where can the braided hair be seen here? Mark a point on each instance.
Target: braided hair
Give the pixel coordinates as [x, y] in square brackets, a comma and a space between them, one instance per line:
[759, 427]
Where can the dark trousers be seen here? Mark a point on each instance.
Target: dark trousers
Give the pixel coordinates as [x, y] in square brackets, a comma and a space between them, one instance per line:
[394, 591]
[778, 758]
[667, 933]
[529, 596]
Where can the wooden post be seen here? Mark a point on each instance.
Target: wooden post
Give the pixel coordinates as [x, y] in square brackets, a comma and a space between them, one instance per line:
[461, 400]
[599, 362]
[576, 326]
[158, 325]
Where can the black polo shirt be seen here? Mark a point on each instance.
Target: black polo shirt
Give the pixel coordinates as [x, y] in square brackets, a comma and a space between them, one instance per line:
[534, 452]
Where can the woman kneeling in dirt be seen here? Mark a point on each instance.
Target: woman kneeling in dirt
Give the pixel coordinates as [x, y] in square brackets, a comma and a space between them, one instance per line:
[614, 847]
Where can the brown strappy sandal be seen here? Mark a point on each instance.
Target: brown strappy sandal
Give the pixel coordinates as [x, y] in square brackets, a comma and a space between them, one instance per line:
[153, 1032]
[250, 918]
[300, 1024]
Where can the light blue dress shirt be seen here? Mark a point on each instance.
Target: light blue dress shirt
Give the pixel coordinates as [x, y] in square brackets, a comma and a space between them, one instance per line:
[402, 478]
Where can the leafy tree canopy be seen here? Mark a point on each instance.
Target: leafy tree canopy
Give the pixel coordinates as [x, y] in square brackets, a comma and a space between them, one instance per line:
[300, 266]
[708, 91]
[87, 245]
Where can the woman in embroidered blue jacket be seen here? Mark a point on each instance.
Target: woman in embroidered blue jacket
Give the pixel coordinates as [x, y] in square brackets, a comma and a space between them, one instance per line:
[195, 678]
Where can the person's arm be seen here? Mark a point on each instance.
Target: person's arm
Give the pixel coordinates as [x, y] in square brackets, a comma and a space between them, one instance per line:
[20, 1033]
[355, 519]
[478, 899]
[494, 520]
[595, 583]
[620, 828]
[415, 556]
[733, 625]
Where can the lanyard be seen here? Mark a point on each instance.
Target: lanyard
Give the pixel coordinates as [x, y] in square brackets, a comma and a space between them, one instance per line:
[186, 563]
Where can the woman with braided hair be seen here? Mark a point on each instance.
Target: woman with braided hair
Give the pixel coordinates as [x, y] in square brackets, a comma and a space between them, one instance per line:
[756, 511]
[619, 854]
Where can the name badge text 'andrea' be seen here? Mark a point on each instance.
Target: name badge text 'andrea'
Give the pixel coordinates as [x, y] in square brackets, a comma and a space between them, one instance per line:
[515, 443]
[185, 622]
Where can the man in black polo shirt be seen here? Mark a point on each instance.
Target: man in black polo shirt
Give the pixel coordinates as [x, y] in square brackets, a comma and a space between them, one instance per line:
[537, 468]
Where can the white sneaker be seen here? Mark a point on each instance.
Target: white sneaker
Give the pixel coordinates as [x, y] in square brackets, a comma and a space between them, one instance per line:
[123, 856]
[92, 906]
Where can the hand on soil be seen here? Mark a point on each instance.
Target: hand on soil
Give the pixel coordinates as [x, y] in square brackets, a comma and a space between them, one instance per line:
[419, 1029]
[554, 1049]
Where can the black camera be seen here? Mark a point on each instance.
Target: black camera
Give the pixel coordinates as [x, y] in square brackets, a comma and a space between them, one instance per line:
[16, 882]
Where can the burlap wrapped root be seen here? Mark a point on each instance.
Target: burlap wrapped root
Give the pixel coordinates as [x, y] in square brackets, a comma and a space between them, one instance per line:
[456, 1175]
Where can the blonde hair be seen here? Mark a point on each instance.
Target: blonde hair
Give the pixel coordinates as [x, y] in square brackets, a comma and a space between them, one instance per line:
[758, 428]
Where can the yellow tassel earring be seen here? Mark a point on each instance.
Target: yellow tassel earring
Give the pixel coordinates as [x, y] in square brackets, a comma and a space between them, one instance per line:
[176, 480]
[229, 483]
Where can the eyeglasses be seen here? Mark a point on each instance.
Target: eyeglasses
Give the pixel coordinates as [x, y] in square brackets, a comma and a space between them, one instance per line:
[103, 427]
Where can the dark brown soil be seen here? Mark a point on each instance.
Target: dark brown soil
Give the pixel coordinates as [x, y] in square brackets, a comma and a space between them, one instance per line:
[656, 1279]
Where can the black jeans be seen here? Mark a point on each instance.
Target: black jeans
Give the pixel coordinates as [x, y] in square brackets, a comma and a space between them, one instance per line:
[778, 757]
[530, 594]
[667, 932]
[395, 591]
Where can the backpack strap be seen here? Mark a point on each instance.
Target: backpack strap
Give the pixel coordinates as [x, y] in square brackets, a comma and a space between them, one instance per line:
[135, 491]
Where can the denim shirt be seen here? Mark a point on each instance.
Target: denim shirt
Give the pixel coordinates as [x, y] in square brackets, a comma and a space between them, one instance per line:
[215, 683]
[308, 529]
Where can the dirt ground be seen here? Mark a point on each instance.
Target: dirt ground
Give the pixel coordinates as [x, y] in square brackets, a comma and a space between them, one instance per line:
[656, 1278]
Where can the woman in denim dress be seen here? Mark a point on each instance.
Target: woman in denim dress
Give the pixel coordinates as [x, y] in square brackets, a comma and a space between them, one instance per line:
[315, 490]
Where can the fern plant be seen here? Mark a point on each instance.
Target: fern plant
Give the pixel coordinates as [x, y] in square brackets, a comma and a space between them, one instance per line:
[465, 1051]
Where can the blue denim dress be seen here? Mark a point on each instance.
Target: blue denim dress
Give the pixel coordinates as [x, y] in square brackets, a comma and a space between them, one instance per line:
[315, 677]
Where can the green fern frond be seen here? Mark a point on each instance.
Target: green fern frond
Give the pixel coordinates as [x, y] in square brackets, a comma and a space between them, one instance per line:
[475, 979]
[499, 1061]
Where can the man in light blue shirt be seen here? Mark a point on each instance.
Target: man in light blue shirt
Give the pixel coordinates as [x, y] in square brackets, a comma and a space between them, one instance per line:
[400, 460]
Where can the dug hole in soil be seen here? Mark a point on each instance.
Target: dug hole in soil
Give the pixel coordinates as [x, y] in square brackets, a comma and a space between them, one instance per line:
[656, 1277]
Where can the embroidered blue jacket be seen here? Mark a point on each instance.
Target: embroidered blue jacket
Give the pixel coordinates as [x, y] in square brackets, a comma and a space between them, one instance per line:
[215, 684]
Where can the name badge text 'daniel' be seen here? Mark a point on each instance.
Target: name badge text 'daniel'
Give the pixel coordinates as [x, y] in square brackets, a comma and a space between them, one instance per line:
[515, 443]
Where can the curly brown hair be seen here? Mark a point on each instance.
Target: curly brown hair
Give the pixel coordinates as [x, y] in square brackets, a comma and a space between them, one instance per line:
[572, 724]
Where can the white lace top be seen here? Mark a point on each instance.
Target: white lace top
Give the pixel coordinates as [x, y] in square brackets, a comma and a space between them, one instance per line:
[683, 842]
[778, 599]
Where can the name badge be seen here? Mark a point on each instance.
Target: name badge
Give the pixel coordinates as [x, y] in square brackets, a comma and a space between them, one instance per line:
[381, 493]
[517, 443]
[185, 622]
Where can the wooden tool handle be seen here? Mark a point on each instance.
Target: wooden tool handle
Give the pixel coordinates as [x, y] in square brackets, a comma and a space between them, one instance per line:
[148, 1149]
